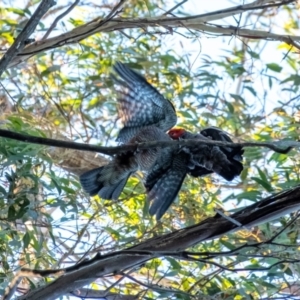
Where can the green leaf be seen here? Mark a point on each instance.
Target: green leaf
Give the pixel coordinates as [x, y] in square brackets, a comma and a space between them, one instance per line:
[26, 240]
[16, 11]
[274, 67]
[251, 90]
[174, 263]
[250, 195]
[253, 54]
[263, 183]
[238, 98]
[262, 174]
[228, 245]
[51, 69]
[294, 78]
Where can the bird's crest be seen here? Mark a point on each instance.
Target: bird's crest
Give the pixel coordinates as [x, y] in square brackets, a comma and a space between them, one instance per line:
[176, 133]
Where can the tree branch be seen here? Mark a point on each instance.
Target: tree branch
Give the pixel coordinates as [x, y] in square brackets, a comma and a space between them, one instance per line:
[196, 22]
[175, 7]
[246, 33]
[19, 43]
[170, 244]
[281, 146]
[98, 294]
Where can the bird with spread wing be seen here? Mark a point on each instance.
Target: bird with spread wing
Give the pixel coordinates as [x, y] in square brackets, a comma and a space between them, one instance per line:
[147, 116]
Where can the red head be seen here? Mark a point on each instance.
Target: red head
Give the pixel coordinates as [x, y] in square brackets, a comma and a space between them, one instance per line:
[176, 133]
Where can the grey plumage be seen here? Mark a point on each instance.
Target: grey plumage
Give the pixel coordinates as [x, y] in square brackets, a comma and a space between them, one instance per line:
[164, 182]
[108, 181]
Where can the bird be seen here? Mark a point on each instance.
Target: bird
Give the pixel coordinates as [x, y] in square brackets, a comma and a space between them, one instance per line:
[200, 160]
[108, 181]
[148, 116]
[207, 159]
[165, 170]
[140, 104]
[164, 180]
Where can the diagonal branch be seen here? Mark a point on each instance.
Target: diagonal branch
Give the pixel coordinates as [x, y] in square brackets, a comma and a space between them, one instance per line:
[19, 43]
[86, 272]
[175, 7]
[196, 22]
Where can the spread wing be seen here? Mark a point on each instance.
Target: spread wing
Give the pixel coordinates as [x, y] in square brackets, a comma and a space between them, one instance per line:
[140, 104]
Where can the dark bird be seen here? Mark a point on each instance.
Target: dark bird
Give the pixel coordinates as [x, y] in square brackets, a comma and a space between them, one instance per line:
[164, 180]
[146, 116]
[206, 159]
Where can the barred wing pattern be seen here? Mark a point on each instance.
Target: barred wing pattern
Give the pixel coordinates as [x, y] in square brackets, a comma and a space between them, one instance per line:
[140, 104]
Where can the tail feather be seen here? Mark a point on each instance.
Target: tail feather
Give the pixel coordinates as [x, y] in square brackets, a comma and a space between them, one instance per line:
[105, 182]
[226, 171]
[163, 194]
[227, 168]
[89, 181]
[163, 191]
[237, 154]
[113, 191]
[238, 166]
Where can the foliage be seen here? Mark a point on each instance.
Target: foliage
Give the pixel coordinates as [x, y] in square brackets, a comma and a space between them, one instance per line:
[47, 221]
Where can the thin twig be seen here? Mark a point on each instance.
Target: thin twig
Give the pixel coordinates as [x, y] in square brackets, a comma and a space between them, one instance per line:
[86, 293]
[155, 287]
[113, 12]
[292, 261]
[176, 6]
[53, 25]
[11, 288]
